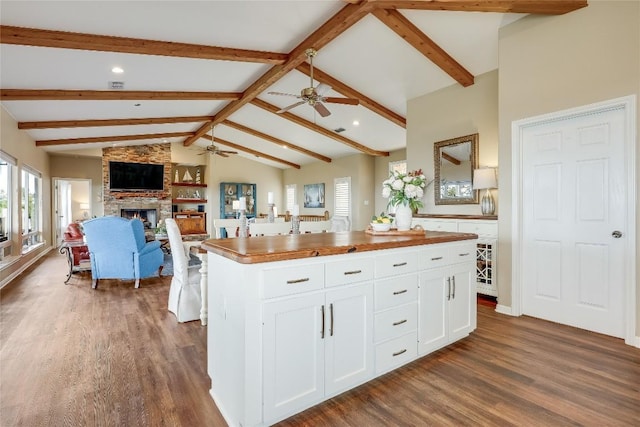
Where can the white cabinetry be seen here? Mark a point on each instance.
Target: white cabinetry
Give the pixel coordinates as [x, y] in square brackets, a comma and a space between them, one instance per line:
[286, 335]
[447, 298]
[486, 251]
[319, 343]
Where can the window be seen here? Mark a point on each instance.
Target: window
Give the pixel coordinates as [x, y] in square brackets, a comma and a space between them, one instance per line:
[342, 194]
[7, 163]
[31, 208]
[399, 166]
[290, 197]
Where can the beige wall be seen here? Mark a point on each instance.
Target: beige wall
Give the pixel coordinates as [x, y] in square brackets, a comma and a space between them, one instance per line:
[553, 63]
[82, 167]
[449, 113]
[18, 144]
[360, 167]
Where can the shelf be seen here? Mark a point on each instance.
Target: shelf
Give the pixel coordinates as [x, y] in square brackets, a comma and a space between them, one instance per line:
[177, 201]
[187, 184]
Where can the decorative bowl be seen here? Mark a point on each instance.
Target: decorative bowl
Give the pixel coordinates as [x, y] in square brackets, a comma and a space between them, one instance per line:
[380, 226]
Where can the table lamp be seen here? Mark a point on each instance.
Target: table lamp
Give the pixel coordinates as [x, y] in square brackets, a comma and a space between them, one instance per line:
[485, 179]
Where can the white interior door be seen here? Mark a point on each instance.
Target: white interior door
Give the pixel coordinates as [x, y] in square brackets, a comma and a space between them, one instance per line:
[574, 200]
[62, 208]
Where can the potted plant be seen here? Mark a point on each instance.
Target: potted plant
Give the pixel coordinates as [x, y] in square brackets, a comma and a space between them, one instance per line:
[404, 191]
[161, 230]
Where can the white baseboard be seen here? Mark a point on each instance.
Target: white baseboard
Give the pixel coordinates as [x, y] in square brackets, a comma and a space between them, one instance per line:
[19, 271]
[635, 342]
[503, 309]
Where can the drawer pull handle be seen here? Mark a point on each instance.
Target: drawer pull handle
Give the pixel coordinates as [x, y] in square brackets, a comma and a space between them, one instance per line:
[400, 292]
[399, 322]
[290, 282]
[398, 353]
[400, 264]
[465, 254]
[346, 273]
[436, 258]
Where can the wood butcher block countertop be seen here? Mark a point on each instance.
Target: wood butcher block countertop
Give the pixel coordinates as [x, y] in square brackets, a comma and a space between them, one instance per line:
[251, 250]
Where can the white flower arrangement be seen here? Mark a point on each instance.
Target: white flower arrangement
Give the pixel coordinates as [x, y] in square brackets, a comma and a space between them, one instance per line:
[405, 189]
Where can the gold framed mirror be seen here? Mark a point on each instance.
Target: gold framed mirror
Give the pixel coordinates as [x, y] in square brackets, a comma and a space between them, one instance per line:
[454, 162]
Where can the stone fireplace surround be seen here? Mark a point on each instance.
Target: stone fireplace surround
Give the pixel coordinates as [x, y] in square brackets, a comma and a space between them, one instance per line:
[117, 201]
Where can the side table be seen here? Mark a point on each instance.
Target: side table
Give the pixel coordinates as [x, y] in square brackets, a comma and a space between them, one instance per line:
[66, 249]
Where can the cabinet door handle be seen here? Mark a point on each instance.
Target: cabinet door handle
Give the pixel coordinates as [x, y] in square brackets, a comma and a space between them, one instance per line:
[322, 330]
[346, 273]
[292, 281]
[331, 314]
[398, 353]
[448, 288]
[465, 254]
[400, 292]
[400, 264]
[453, 280]
[399, 322]
[436, 258]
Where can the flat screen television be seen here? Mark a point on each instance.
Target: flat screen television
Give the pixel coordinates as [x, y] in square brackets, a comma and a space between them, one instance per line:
[127, 176]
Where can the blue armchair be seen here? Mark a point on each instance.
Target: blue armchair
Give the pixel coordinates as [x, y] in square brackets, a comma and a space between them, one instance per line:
[118, 250]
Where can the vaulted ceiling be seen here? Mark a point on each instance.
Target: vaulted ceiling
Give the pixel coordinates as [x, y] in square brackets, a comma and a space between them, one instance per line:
[193, 66]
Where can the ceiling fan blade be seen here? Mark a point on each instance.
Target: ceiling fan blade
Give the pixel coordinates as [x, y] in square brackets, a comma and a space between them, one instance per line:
[285, 109]
[320, 108]
[347, 101]
[227, 152]
[220, 153]
[283, 94]
[322, 88]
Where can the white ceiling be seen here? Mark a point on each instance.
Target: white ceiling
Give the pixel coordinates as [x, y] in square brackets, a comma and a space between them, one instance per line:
[368, 57]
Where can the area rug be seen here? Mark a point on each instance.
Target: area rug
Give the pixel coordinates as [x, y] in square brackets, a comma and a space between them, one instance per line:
[167, 269]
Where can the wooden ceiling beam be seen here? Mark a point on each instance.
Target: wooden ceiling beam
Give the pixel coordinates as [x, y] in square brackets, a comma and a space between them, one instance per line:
[112, 95]
[349, 92]
[314, 127]
[423, 44]
[279, 142]
[451, 159]
[336, 25]
[56, 124]
[68, 40]
[251, 151]
[49, 142]
[543, 7]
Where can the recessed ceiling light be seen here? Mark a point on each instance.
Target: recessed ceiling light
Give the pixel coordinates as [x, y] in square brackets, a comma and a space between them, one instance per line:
[137, 105]
[356, 123]
[117, 70]
[285, 147]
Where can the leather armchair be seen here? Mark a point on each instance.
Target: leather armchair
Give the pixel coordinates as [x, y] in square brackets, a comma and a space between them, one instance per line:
[118, 250]
[74, 234]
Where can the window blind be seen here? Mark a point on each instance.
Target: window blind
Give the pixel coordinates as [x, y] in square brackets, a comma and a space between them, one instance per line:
[342, 197]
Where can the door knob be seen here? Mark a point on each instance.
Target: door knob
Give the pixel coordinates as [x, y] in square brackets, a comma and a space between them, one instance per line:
[617, 234]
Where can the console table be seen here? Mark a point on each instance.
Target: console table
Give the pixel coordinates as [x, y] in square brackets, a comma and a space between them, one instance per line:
[297, 319]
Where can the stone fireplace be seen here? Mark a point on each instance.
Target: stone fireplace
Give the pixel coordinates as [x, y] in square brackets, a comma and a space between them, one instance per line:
[151, 205]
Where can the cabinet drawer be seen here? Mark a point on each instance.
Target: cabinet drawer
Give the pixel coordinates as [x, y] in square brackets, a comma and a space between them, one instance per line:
[349, 271]
[433, 257]
[479, 228]
[292, 280]
[463, 252]
[396, 263]
[396, 291]
[440, 225]
[395, 322]
[396, 352]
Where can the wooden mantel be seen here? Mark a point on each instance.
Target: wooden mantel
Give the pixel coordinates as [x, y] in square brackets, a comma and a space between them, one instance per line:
[252, 250]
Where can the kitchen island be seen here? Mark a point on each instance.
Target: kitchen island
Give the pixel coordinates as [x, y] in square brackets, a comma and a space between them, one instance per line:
[295, 320]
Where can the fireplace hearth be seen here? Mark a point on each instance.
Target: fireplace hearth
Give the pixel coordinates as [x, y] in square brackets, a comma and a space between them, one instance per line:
[148, 216]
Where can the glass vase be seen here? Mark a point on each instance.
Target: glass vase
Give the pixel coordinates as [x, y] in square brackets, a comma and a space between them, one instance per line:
[404, 216]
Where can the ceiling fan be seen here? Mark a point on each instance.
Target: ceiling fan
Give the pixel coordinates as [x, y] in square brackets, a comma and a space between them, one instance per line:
[314, 96]
[216, 150]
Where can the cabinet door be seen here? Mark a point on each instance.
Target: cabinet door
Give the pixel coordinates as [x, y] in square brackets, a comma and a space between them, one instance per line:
[462, 305]
[349, 339]
[433, 310]
[293, 354]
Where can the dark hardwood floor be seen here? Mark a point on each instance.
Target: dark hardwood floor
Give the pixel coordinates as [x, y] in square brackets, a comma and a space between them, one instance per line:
[73, 356]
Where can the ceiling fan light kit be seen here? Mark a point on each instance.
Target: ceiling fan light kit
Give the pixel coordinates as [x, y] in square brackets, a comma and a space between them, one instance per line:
[314, 96]
[215, 150]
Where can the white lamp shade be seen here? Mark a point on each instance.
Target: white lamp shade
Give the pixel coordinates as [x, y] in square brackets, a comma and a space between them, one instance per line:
[484, 178]
[84, 206]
